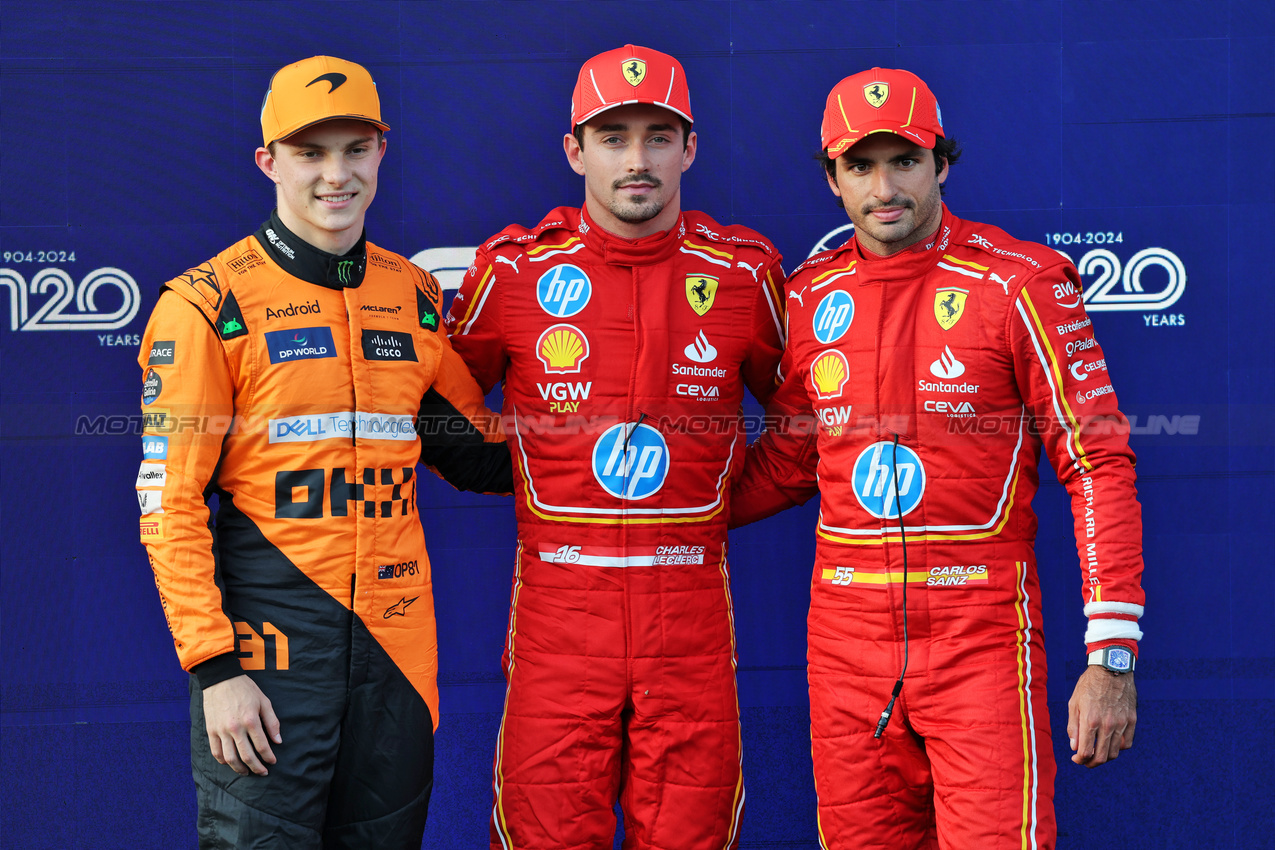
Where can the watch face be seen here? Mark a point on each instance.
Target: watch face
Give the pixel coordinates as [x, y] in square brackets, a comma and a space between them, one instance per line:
[1119, 658]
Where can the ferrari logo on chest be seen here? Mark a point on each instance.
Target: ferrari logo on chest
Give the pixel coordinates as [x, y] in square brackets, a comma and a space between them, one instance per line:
[876, 94]
[700, 292]
[949, 306]
[634, 71]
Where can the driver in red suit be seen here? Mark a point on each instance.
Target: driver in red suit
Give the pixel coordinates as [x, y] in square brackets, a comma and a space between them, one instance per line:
[938, 357]
[624, 334]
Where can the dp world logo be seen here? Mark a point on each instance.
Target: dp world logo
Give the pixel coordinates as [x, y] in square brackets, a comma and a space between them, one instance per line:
[564, 290]
[833, 316]
[875, 473]
[631, 461]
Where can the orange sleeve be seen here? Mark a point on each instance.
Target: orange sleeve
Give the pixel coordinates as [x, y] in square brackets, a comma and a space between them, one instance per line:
[187, 407]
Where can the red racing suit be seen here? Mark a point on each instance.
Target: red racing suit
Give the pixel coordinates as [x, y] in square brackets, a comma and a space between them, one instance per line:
[624, 365]
[972, 351]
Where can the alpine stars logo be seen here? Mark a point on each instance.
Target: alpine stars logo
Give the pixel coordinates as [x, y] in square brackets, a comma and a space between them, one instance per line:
[947, 366]
[399, 608]
[701, 350]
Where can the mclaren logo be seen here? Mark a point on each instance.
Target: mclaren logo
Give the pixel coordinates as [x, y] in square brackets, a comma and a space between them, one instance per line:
[634, 71]
[876, 94]
[333, 79]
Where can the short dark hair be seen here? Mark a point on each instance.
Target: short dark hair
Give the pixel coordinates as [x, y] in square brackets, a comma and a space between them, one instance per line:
[944, 150]
[578, 132]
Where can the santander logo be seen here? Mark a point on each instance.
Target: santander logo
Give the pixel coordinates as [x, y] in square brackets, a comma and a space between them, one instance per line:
[701, 350]
[947, 366]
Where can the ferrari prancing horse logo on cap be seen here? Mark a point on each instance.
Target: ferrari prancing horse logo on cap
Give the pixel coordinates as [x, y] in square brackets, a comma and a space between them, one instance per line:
[876, 94]
[634, 71]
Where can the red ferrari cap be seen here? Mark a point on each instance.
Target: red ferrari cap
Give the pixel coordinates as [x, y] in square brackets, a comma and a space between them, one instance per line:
[630, 74]
[318, 89]
[883, 100]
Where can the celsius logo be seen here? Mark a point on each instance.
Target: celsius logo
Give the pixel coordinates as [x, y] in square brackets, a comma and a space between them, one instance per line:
[562, 348]
[332, 78]
[54, 314]
[829, 373]
[563, 291]
[631, 461]
[701, 350]
[947, 366]
[833, 316]
[877, 470]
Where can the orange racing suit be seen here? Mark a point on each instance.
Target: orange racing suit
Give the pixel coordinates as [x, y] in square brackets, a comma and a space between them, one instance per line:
[293, 384]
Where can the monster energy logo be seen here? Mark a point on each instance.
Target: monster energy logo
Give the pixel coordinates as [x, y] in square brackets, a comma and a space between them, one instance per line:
[343, 268]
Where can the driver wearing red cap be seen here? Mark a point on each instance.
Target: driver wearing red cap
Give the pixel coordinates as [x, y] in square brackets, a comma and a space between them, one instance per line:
[625, 334]
[940, 356]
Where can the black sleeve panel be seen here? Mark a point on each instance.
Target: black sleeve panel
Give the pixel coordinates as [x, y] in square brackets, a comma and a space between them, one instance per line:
[454, 449]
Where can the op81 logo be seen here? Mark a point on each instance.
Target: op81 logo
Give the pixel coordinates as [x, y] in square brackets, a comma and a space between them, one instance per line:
[1117, 275]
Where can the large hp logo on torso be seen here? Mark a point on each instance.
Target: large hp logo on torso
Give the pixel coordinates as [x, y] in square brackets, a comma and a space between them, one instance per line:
[632, 468]
[563, 290]
[875, 471]
[833, 316]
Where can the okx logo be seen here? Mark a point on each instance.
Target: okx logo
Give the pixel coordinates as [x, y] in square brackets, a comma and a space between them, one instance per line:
[878, 470]
[316, 493]
[631, 461]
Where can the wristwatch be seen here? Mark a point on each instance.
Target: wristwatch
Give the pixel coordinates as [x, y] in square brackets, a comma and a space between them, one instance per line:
[1117, 659]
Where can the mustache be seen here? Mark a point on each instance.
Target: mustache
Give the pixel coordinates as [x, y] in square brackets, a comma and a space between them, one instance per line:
[638, 178]
[906, 203]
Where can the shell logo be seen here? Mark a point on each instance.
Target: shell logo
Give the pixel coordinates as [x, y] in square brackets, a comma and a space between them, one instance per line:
[562, 348]
[829, 373]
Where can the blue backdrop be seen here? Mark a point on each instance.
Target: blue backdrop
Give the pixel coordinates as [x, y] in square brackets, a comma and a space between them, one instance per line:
[1134, 136]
